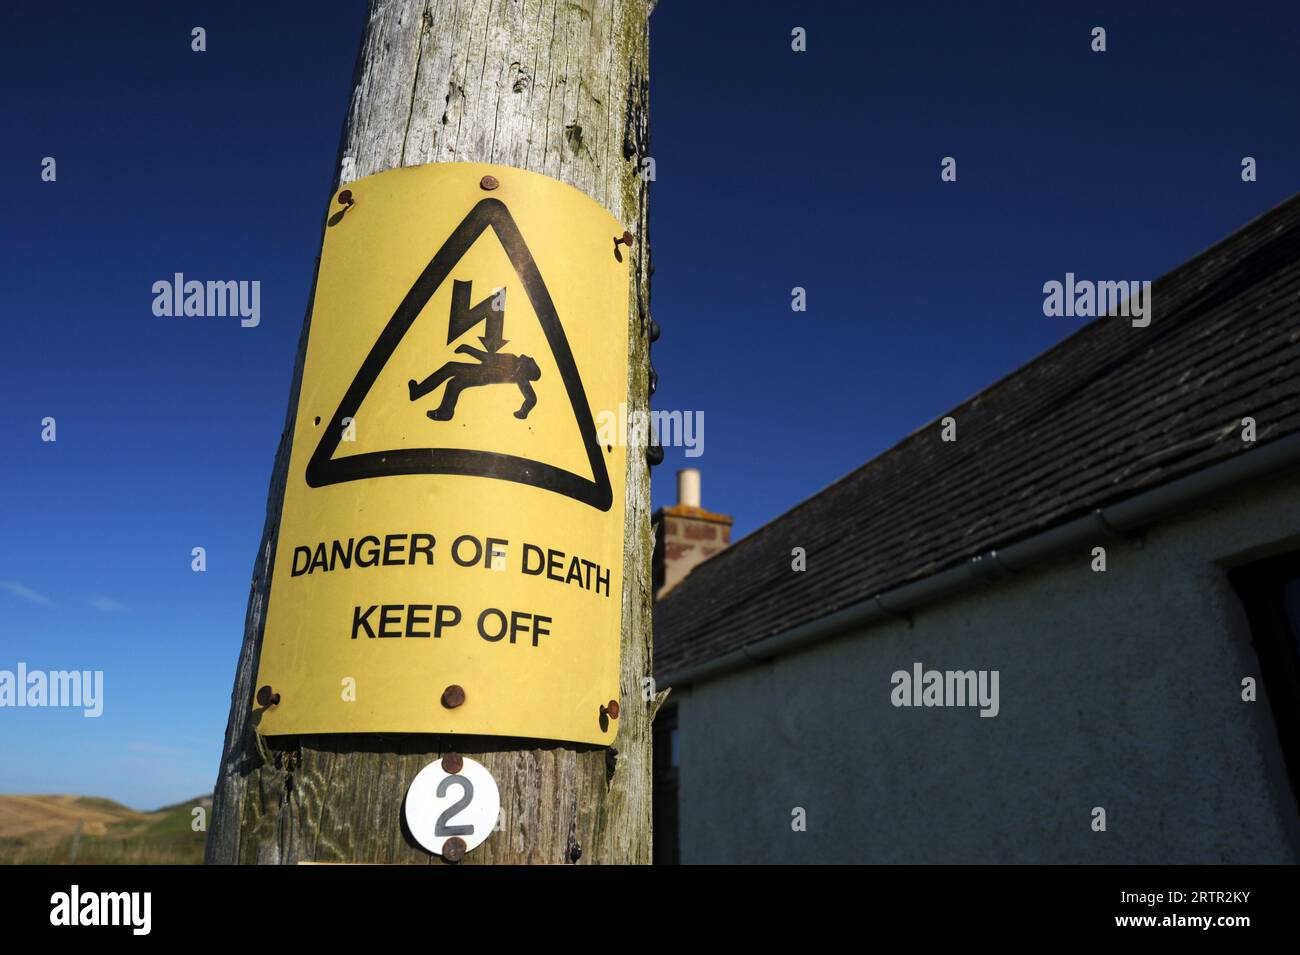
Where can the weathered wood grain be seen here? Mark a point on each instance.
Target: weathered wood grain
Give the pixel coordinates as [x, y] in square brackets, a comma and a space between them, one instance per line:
[560, 88]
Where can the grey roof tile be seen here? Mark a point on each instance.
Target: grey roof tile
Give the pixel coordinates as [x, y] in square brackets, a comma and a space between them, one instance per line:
[1109, 412]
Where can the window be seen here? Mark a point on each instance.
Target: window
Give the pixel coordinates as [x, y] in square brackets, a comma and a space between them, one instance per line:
[1270, 590]
[666, 849]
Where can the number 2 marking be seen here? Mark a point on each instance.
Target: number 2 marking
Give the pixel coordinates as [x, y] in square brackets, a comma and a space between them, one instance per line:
[441, 827]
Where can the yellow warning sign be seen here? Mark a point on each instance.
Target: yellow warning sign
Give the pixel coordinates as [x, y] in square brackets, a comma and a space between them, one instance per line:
[450, 555]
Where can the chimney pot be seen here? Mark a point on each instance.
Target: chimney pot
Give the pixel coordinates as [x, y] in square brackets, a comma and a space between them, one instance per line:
[688, 487]
[685, 534]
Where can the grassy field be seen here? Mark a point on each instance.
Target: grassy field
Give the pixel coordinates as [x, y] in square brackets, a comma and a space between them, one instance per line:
[38, 830]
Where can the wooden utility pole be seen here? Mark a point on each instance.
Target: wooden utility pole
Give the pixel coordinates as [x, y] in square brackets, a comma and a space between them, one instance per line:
[559, 87]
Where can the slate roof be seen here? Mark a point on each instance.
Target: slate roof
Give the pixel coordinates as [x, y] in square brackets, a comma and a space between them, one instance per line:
[1107, 413]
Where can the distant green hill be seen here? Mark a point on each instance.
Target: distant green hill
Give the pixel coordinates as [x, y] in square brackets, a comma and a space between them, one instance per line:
[38, 830]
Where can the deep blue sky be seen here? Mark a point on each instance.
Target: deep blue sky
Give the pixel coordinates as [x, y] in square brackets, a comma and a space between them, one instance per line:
[775, 169]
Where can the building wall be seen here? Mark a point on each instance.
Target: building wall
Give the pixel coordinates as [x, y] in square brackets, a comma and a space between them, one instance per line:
[1117, 689]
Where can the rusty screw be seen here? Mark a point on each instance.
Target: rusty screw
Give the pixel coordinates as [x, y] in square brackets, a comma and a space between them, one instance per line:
[345, 197]
[453, 763]
[453, 696]
[488, 183]
[453, 850]
[610, 709]
[265, 697]
[627, 239]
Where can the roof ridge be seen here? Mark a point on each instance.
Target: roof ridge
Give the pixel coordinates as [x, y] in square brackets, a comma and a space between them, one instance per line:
[1234, 239]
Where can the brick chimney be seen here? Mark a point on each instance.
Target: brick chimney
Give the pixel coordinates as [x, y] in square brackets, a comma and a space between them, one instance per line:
[685, 534]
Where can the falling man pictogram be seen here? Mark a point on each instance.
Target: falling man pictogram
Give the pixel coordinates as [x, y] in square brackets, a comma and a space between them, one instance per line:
[492, 366]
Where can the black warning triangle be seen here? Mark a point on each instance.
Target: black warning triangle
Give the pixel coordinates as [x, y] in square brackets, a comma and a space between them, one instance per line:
[325, 469]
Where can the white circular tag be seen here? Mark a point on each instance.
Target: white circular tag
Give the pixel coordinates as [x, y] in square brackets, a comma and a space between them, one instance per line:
[440, 805]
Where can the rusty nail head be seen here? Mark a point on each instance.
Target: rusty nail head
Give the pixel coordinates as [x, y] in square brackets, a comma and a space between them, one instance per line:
[489, 183]
[345, 197]
[453, 763]
[265, 697]
[610, 709]
[453, 850]
[628, 238]
[453, 696]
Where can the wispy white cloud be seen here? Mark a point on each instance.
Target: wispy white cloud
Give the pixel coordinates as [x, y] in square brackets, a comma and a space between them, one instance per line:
[108, 605]
[25, 593]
